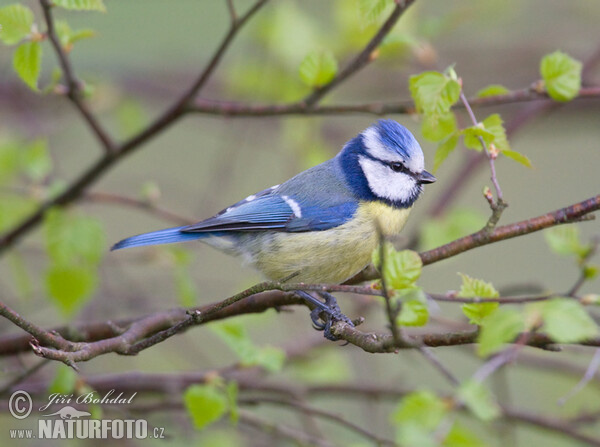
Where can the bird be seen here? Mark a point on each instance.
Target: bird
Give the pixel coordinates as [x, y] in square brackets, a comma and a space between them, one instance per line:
[322, 225]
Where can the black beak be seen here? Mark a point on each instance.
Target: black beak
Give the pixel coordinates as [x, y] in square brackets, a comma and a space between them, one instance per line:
[426, 177]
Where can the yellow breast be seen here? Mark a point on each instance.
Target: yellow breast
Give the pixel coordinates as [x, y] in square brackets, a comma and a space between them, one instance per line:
[329, 256]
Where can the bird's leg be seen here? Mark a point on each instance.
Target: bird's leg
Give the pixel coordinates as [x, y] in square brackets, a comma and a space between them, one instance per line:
[330, 308]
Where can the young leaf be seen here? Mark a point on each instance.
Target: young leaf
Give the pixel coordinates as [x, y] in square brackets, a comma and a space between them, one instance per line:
[64, 380]
[68, 37]
[36, 161]
[479, 400]
[566, 321]
[460, 436]
[439, 127]
[495, 125]
[472, 288]
[472, 135]
[414, 313]
[370, 10]
[318, 68]
[564, 240]
[70, 286]
[498, 328]
[421, 407]
[443, 150]
[205, 404]
[15, 23]
[433, 92]
[184, 284]
[400, 269]
[562, 76]
[72, 239]
[27, 62]
[457, 223]
[81, 5]
[518, 157]
[238, 340]
[492, 90]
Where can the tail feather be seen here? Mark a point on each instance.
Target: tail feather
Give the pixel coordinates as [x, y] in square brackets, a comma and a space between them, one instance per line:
[166, 236]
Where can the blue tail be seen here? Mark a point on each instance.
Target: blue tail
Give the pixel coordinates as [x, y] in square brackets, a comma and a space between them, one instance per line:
[166, 236]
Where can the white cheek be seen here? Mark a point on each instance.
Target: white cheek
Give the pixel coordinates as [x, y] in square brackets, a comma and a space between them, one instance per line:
[394, 186]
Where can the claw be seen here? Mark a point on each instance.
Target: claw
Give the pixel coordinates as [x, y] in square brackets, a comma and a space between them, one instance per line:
[325, 314]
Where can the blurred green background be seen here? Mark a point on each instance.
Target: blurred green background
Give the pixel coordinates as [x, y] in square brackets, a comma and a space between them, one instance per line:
[145, 53]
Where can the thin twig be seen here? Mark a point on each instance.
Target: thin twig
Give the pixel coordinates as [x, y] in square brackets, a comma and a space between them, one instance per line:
[364, 57]
[73, 84]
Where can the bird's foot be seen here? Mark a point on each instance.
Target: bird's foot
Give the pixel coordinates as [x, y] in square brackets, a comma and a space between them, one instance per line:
[325, 313]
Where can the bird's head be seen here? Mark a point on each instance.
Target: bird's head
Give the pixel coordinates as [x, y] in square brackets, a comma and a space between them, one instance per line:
[385, 163]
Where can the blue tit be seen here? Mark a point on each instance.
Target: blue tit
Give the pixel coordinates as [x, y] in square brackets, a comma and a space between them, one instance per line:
[322, 225]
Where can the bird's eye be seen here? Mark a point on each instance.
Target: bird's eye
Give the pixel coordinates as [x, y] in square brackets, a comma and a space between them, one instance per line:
[397, 167]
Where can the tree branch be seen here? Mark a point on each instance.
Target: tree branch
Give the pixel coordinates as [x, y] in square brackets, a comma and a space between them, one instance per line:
[233, 109]
[110, 158]
[73, 84]
[364, 57]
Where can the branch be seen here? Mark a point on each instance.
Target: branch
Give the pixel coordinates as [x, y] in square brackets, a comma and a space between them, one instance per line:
[110, 158]
[73, 84]
[573, 213]
[147, 331]
[364, 57]
[233, 109]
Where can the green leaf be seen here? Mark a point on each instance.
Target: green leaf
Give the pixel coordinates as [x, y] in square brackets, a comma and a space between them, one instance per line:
[421, 407]
[232, 391]
[10, 160]
[36, 160]
[562, 76]
[131, 117]
[15, 23]
[414, 307]
[472, 135]
[492, 90]
[439, 127]
[433, 92]
[401, 269]
[205, 404]
[184, 283]
[81, 5]
[27, 62]
[457, 223]
[479, 400]
[518, 157]
[236, 337]
[565, 240]
[371, 10]
[22, 278]
[68, 37]
[326, 366]
[13, 209]
[499, 327]
[473, 288]
[460, 436]
[318, 68]
[412, 434]
[495, 125]
[64, 380]
[443, 150]
[70, 286]
[73, 239]
[566, 321]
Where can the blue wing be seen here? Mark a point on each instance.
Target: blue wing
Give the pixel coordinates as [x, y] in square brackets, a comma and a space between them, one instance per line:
[275, 212]
[314, 200]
